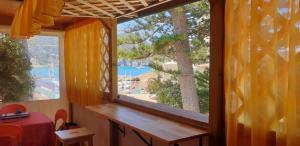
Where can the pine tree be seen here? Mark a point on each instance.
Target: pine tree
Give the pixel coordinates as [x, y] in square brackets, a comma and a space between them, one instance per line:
[179, 34]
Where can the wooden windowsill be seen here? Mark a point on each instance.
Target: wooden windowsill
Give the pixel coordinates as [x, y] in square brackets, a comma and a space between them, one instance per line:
[183, 116]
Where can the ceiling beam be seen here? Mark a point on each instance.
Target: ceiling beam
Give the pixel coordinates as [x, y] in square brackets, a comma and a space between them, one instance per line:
[80, 9]
[163, 6]
[144, 3]
[111, 6]
[85, 16]
[127, 5]
[145, 8]
[96, 8]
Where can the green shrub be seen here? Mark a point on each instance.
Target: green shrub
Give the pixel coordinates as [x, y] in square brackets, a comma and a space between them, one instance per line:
[168, 91]
[16, 83]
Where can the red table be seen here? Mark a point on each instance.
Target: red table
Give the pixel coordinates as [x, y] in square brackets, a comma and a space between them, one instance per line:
[38, 129]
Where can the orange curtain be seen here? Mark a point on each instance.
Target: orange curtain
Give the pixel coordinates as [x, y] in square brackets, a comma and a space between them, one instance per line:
[262, 72]
[83, 62]
[32, 15]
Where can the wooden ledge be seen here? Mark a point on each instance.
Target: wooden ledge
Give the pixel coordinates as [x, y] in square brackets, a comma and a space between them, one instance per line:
[183, 116]
[157, 127]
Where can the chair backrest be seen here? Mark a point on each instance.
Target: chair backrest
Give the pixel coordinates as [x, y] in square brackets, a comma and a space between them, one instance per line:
[11, 131]
[60, 114]
[12, 108]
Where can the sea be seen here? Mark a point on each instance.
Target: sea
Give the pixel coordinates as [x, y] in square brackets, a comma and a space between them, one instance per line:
[47, 79]
[44, 72]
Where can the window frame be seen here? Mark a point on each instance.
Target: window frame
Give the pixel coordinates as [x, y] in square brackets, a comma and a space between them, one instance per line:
[216, 93]
[60, 35]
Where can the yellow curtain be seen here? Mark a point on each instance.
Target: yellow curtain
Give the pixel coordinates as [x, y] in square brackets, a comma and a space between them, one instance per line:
[32, 15]
[83, 62]
[262, 72]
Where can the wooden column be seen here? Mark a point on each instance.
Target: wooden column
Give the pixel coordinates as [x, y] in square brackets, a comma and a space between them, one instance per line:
[114, 59]
[111, 24]
[216, 90]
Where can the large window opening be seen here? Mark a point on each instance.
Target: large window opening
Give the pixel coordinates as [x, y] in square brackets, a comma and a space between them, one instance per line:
[164, 58]
[29, 68]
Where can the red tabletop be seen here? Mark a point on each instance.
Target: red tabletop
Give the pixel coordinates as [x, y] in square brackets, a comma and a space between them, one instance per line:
[8, 141]
[38, 129]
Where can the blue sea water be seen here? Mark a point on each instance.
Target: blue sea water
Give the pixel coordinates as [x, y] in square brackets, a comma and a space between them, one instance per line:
[133, 71]
[43, 72]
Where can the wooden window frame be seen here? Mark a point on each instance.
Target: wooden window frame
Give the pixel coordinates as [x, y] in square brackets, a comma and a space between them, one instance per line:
[215, 123]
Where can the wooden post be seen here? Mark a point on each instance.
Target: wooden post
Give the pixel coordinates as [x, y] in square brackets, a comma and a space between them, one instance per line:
[114, 59]
[216, 77]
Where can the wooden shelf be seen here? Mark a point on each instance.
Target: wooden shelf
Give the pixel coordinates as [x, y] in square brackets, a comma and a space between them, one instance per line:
[157, 127]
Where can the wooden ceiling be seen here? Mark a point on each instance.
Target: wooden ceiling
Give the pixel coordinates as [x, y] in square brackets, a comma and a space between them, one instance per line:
[74, 10]
[106, 8]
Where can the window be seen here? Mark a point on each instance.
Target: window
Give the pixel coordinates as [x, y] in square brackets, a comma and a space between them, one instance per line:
[29, 69]
[163, 60]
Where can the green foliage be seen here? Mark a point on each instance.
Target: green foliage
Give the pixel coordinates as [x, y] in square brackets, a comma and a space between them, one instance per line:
[168, 91]
[154, 35]
[16, 83]
[137, 52]
[199, 30]
[202, 85]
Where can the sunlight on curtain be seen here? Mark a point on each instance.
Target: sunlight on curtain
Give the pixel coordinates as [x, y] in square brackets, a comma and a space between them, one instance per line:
[83, 62]
[32, 15]
[262, 71]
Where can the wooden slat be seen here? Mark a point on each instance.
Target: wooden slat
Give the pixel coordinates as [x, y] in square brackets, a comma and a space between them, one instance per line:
[80, 9]
[144, 3]
[127, 5]
[70, 12]
[85, 16]
[96, 8]
[111, 6]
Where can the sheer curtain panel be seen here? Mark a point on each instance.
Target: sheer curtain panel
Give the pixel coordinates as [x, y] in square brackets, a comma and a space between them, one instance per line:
[84, 61]
[262, 72]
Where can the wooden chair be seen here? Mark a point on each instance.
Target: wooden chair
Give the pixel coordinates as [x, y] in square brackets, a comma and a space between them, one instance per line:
[60, 114]
[10, 135]
[12, 108]
[74, 136]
